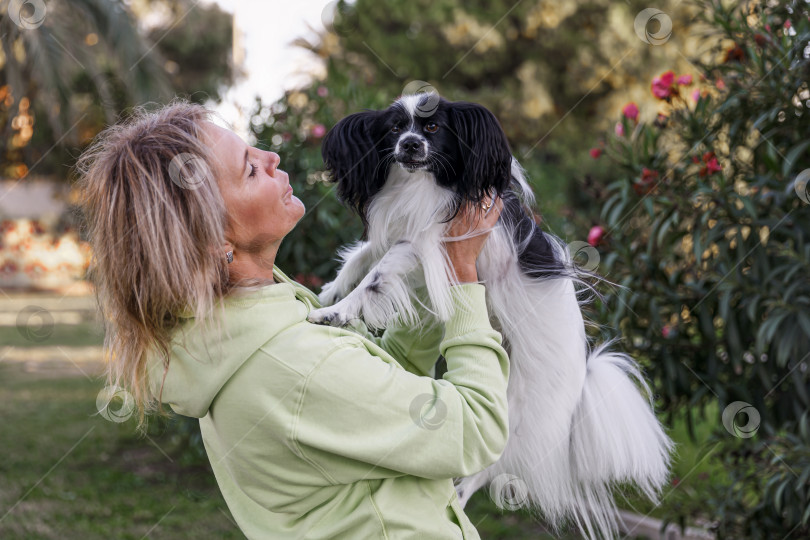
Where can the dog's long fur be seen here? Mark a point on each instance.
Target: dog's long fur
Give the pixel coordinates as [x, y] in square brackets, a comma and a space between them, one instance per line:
[578, 423]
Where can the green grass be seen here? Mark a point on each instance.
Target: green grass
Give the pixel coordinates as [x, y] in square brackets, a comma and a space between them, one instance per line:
[68, 473]
[75, 335]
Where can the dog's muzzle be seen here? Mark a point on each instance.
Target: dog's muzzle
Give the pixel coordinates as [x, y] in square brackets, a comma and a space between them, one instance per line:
[411, 153]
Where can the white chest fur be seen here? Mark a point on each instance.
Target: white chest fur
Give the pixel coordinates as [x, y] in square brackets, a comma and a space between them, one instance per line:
[411, 206]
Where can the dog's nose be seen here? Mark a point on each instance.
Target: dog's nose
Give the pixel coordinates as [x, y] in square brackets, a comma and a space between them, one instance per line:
[411, 144]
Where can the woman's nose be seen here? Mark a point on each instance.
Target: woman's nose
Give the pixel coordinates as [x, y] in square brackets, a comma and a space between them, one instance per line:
[272, 163]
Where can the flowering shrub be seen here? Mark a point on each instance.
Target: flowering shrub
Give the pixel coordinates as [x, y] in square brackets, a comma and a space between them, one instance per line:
[31, 256]
[708, 232]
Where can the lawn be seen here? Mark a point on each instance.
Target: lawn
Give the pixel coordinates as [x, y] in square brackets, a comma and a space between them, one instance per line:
[74, 335]
[69, 473]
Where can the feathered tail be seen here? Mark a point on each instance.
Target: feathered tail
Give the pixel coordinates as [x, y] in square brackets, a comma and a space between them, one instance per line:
[615, 438]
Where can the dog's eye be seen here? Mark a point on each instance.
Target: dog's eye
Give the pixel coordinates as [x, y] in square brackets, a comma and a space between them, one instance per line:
[395, 129]
[432, 127]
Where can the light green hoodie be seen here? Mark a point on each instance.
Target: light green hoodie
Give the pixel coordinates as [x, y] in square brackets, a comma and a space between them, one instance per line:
[319, 433]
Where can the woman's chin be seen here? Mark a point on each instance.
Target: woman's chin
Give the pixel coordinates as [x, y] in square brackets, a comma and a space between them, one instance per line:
[298, 202]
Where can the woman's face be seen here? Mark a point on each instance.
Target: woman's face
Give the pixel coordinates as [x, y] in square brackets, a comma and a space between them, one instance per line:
[258, 197]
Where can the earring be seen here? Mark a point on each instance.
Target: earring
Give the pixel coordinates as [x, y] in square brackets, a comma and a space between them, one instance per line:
[229, 256]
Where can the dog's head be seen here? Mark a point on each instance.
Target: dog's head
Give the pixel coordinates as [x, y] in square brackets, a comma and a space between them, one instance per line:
[461, 144]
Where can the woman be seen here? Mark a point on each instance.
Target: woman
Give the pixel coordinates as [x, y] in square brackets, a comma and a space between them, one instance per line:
[312, 431]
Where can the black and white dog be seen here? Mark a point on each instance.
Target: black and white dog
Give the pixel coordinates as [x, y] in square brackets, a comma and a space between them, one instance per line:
[578, 422]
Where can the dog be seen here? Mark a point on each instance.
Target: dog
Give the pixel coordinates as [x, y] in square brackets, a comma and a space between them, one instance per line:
[579, 423]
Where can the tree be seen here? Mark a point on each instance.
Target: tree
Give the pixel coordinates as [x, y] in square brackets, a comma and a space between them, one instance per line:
[68, 68]
[195, 41]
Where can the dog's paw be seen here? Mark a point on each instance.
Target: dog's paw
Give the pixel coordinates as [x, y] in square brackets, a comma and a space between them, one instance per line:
[330, 294]
[330, 316]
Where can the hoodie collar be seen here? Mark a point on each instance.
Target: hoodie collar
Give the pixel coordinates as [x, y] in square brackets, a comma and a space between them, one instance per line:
[205, 355]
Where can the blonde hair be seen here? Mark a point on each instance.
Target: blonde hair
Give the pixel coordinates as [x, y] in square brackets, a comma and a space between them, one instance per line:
[156, 223]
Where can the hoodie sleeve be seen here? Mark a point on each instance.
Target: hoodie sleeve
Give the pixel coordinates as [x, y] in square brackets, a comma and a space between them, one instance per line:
[362, 417]
[415, 349]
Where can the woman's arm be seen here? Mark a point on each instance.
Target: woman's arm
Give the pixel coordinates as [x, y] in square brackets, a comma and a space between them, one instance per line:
[360, 417]
[415, 349]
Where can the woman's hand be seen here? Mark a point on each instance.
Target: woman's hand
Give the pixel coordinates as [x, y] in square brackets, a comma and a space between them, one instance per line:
[473, 225]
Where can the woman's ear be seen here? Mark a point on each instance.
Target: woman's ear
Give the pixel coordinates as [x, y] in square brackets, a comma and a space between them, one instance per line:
[484, 150]
[350, 155]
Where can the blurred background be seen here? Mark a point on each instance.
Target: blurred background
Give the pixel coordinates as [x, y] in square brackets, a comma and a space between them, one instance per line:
[668, 145]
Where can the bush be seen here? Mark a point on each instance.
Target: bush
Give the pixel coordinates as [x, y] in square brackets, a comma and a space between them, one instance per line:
[707, 230]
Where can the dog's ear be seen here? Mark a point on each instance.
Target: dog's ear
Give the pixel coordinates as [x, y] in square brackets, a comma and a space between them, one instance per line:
[350, 155]
[484, 150]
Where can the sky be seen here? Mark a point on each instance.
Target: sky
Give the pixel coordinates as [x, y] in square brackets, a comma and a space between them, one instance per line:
[273, 65]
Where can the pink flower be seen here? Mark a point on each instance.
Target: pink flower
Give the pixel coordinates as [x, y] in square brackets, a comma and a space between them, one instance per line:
[695, 94]
[631, 111]
[788, 24]
[318, 131]
[711, 165]
[720, 84]
[684, 80]
[649, 177]
[595, 153]
[619, 129]
[662, 85]
[323, 91]
[596, 235]
[666, 331]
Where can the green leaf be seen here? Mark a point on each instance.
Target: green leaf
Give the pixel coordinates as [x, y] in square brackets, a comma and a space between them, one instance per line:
[768, 329]
[777, 498]
[662, 231]
[748, 204]
[768, 115]
[792, 156]
[648, 205]
[785, 345]
[804, 321]
[724, 304]
[751, 308]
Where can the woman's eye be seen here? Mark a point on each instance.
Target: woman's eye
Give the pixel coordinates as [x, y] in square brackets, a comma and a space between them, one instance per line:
[432, 127]
[253, 170]
[395, 129]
